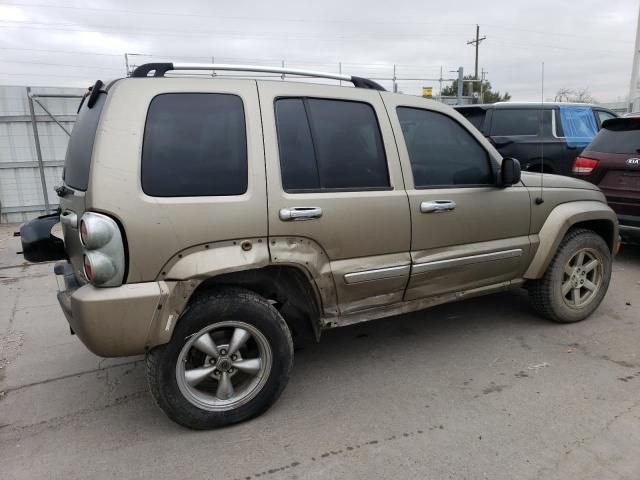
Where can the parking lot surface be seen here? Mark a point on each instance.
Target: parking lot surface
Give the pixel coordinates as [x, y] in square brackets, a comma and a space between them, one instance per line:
[477, 389]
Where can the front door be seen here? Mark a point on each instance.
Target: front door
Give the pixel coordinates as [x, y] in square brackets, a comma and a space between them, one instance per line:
[334, 183]
[467, 232]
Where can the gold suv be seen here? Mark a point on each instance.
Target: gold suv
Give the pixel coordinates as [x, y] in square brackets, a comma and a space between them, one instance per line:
[210, 222]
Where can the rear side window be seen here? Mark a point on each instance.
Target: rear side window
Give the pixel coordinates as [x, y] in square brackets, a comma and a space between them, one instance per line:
[512, 121]
[78, 159]
[194, 145]
[578, 124]
[329, 145]
[622, 141]
[442, 152]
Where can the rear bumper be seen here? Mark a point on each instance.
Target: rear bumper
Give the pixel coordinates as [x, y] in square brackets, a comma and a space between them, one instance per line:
[111, 322]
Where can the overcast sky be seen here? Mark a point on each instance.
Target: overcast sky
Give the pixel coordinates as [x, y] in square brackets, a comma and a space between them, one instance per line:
[584, 43]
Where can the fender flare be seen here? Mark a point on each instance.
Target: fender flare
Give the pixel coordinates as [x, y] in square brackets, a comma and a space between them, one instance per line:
[558, 223]
[185, 271]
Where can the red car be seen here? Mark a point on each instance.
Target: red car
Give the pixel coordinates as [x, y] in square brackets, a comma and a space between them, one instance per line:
[612, 162]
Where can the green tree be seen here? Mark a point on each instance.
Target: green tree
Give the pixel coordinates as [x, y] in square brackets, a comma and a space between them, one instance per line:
[469, 87]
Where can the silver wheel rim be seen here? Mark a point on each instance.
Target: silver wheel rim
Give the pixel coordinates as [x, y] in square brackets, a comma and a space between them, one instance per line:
[223, 366]
[582, 278]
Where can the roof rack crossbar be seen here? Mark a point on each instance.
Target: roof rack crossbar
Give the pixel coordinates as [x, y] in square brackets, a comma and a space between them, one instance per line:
[160, 69]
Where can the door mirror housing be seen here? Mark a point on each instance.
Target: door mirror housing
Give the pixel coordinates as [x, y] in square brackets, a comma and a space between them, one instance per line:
[510, 172]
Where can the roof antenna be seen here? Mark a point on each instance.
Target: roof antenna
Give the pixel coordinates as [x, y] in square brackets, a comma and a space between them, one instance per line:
[540, 199]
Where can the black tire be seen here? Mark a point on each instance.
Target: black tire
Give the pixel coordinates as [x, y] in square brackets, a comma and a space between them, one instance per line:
[546, 292]
[206, 310]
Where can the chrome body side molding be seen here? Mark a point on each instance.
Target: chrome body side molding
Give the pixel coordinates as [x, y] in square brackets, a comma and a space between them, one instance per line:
[376, 274]
[455, 262]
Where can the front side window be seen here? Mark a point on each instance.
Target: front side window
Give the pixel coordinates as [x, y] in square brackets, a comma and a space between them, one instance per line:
[329, 145]
[194, 145]
[603, 115]
[442, 152]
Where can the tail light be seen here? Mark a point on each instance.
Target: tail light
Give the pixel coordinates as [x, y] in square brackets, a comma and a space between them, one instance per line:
[83, 232]
[584, 166]
[88, 269]
[103, 260]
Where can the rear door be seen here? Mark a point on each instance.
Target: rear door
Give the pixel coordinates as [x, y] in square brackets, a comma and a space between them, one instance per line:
[334, 180]
[466, 232]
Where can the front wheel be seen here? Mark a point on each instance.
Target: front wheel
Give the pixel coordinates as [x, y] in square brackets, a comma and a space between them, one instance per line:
[229, 360]
[576, 280]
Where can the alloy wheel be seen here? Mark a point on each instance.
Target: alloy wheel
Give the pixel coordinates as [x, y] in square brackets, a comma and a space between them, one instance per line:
[224, 365]
[582, 278]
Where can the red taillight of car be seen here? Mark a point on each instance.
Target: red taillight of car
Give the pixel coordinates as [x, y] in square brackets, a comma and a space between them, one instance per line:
[104, 257]
[584, 166]
[83, 232]
[88, 270]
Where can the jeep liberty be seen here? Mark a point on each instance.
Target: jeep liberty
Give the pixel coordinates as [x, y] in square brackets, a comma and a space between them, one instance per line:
[210, 222]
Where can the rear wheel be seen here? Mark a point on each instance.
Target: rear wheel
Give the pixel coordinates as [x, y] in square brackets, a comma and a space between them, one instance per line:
[576, 280]
[228, 360]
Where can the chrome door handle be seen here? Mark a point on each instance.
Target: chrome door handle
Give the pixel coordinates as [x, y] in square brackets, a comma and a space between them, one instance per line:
[437, 206]
[300, 213]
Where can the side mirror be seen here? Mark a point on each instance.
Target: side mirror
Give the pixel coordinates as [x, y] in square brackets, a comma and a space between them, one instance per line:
[509, 172]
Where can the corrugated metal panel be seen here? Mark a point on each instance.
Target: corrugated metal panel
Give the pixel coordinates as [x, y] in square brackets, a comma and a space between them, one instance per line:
[21, 196]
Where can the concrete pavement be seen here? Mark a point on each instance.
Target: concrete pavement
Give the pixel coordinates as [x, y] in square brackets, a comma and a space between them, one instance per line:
[477, 389]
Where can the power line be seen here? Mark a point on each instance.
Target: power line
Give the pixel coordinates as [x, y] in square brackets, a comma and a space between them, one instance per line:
[220, 17]
[96, 67]
[298, 20]
[173, 33]
[70, 52]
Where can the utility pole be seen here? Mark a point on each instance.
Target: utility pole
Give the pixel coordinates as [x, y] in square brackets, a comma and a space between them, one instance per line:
[476, 43]
[460, 84]
[634, 90]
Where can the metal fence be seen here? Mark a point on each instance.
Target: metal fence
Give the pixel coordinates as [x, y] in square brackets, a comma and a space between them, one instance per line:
[34, 127]
[35, 124]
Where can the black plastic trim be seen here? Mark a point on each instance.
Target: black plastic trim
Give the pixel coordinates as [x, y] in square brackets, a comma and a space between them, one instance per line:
[159, 69]
[337, 190]
[360, 82]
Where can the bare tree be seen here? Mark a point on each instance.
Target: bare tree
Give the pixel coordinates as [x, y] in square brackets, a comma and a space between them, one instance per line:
[574, 95]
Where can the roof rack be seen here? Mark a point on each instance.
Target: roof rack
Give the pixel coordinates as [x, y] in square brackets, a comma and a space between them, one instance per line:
[159, 70]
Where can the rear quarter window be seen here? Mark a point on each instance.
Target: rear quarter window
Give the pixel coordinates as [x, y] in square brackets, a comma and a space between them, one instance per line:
[194, 145]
